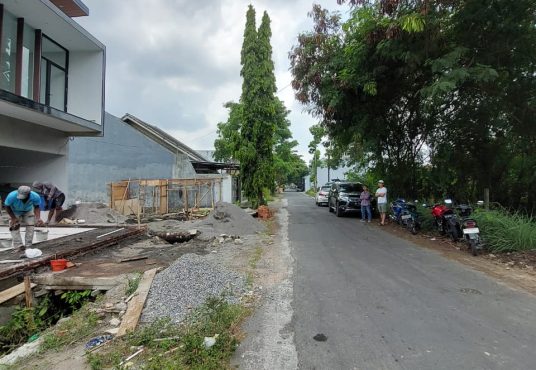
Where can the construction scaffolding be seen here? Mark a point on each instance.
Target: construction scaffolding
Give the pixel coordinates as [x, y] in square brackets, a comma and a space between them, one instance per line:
[161, 196]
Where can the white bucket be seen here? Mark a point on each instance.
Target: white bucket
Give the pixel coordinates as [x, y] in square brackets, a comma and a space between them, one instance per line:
[40, 235]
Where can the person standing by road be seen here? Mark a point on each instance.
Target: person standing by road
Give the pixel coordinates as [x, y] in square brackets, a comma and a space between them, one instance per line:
[54, 198]
[22, 205]
[366, 212]
[381, 194]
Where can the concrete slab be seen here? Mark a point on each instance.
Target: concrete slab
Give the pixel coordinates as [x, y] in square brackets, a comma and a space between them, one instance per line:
[53, 233]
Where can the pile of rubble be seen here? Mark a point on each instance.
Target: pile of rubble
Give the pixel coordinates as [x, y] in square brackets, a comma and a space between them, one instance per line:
[92, 213]
[226, 218]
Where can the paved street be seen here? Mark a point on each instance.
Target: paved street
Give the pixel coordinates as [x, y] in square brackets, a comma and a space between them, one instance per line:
[384, 303]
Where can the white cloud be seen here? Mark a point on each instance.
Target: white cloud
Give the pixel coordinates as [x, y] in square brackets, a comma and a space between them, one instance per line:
[175, 63]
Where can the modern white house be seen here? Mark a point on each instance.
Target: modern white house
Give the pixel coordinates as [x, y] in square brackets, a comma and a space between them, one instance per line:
[51, 88]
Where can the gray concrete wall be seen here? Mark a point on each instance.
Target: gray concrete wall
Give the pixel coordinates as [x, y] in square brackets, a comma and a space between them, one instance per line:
[121, 154]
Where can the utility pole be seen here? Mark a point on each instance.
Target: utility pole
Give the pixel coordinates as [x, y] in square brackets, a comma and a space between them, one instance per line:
[329, 177]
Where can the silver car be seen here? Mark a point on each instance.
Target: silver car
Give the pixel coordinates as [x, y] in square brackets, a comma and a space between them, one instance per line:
[321, 197]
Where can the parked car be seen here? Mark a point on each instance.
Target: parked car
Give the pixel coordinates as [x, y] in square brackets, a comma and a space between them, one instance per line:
[344, 197]
[321, 197]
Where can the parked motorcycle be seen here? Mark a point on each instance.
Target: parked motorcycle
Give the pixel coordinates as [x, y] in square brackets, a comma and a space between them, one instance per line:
[463, 226]
[442, 213]
[406, 215]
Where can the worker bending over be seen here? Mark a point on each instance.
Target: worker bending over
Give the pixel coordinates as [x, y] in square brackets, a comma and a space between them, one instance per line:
[54, 198]
[22, 205]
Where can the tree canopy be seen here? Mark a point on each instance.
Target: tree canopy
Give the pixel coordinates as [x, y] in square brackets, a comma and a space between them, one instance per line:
[437, 97]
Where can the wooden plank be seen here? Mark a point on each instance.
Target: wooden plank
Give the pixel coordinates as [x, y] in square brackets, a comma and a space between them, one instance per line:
[28, 291]
[135, 306]
[12, 292]
[80, 282]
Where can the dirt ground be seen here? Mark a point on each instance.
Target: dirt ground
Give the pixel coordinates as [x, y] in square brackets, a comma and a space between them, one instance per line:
[517, 270]
[240, 254]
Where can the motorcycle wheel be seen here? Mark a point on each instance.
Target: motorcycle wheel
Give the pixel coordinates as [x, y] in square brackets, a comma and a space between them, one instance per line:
[440, 228]
[413, 227]
[338, 212]
[453, 234]
[329, 208]
[473, 245]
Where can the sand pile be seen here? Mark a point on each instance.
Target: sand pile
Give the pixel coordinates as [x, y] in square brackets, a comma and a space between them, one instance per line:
[93, 213]
[226, 218]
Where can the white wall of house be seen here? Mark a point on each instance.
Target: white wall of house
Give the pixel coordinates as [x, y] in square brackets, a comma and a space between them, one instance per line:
[85, 93]
[31, 152]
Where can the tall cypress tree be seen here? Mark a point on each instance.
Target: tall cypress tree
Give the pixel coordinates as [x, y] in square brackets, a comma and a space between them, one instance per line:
[258, 113]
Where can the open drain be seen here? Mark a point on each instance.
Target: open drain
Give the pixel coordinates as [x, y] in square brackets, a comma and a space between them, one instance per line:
[320, 337]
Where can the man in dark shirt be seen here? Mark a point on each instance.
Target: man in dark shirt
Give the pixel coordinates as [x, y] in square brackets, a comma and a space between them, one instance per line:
[54, 198]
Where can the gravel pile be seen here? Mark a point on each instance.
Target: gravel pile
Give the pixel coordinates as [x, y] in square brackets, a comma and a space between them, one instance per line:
[186, 284]
[93, 213]
[225, 218]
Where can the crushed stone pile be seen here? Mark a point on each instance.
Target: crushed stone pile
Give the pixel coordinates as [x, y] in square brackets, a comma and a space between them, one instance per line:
[186, 284]
[225, 218]
[93, 213]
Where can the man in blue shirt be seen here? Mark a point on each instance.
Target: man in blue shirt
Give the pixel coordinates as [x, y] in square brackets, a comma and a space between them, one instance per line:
[22, 205]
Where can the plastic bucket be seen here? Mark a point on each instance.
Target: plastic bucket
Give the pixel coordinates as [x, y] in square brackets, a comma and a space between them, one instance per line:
[41, 235]
[58, 265]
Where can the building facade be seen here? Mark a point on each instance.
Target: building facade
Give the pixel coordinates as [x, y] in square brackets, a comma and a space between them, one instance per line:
[51, 88]
[129, 149]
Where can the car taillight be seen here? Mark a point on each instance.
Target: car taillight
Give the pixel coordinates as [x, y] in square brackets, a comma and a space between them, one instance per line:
[470, 224]
[321, 193]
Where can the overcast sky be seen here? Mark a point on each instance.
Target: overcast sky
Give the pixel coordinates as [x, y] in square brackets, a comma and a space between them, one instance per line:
[174, 63]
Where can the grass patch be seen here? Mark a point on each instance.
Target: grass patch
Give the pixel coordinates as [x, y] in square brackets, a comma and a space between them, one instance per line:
[255, 258]
[179, 346]
[311, 192]
[506, 232]
[81, 324]
[132, 284]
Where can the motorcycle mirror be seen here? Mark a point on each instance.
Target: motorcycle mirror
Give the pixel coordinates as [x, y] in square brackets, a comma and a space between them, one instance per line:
[448, 201]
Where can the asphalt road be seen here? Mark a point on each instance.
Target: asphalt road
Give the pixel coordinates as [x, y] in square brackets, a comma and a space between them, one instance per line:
[384, 303]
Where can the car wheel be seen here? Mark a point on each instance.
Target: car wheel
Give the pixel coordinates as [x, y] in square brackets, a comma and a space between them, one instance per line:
[338, 212]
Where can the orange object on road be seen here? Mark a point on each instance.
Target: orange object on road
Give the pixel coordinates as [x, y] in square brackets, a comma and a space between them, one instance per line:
[264, 212]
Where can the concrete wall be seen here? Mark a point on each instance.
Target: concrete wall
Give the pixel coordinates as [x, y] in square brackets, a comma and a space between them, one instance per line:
[30, 152]
[86, 80]
[226, 187]
[121, 154]
[339, 173]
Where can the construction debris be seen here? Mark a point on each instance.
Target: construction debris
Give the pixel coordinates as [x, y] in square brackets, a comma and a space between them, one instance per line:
[135, 307]
[93, 214]
[226, 218]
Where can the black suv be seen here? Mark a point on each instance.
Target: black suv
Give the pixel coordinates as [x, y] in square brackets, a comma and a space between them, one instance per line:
[344, 197]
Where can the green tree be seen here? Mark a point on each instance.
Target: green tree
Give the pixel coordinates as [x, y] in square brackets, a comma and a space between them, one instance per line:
[434, 96]
[227, 144]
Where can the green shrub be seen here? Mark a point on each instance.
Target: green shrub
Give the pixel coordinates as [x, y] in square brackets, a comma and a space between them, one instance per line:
[506, 232]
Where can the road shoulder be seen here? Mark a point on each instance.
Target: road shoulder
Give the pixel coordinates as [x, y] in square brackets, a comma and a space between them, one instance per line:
[269, 343]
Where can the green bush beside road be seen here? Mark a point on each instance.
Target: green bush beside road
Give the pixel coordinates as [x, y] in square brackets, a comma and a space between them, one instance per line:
[505, 232]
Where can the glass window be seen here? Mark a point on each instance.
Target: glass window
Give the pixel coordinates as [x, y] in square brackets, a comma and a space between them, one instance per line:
[9, 50]
[351, 188]
[53, 75]
[57, 88]
[53, 52]
[28, 46]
